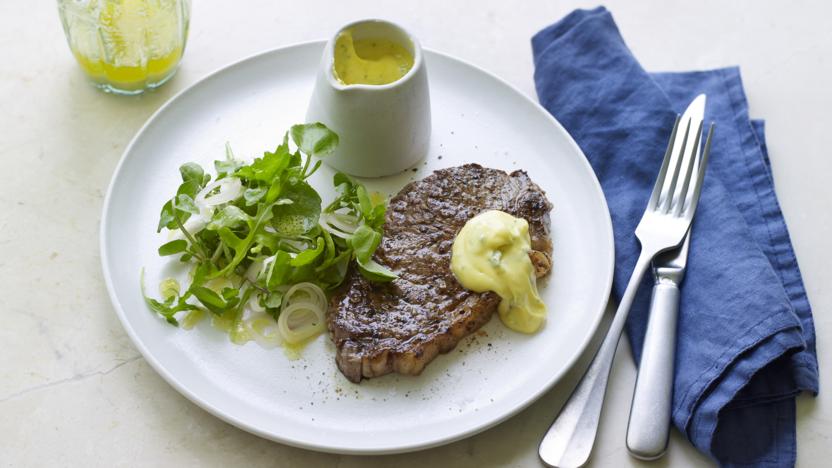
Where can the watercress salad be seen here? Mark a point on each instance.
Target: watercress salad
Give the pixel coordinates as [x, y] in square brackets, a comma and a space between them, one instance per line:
[259, 243]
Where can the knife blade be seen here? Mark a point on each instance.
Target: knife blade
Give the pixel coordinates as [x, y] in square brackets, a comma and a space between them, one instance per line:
[648, 429]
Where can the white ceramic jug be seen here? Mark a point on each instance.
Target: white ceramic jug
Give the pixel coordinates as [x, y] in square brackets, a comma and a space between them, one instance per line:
[383, 129]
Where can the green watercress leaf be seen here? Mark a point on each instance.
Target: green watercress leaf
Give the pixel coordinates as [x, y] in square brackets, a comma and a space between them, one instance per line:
[227, 167]
[364, 242]
[309, 255]
[302, 214]
[173, 247]
[342, 182]
[315, 167]
[167, 218]
[210, 299]
[186, 204]
[364, 203]
[275, 189]
[376, 272]
[267, 168]
[229, 217]
[230, 294]
[314, 139]
[189, 188]
[279, 270]
[254, 195]
[329, 246]
[192, 171]
[165, 310]
[272, 302]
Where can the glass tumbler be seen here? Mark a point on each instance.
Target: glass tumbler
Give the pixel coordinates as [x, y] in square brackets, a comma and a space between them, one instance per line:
[126, 46]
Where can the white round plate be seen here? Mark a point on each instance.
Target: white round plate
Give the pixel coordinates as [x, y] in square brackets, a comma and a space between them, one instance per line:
[307, 402]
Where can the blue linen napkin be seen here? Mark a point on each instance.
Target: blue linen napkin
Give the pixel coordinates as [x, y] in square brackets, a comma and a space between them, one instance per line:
[746, 341]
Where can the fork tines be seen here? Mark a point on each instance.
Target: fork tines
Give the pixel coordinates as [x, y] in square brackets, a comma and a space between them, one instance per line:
[682, 204]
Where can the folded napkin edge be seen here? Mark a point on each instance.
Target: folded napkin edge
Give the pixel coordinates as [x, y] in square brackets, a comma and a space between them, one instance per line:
[778, 322]
[721, 392]
[771, 232]
[554, 31]
[762, 180]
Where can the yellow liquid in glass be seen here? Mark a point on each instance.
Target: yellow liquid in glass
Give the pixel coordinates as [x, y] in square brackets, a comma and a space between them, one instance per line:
[127, 45]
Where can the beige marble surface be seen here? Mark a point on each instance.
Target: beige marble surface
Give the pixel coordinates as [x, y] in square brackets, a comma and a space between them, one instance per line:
[73, 389]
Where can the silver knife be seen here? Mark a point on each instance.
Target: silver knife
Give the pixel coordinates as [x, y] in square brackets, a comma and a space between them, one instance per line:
[649, 427]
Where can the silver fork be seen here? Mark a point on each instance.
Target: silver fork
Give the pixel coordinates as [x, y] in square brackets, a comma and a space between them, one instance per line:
[663, 226]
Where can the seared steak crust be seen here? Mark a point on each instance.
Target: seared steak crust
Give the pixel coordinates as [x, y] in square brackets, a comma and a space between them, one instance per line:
[403, 325]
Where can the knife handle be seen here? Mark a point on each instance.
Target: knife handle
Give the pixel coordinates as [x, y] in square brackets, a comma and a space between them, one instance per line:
[649, 427]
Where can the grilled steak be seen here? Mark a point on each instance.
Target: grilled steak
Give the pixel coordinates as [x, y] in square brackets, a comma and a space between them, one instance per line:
[403, 325]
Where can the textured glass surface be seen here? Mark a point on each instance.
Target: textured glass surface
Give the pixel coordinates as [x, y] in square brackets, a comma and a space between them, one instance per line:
[126, 46]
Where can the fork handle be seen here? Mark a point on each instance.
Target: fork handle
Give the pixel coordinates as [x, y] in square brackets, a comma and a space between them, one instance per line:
[569, 440]
[650, 412]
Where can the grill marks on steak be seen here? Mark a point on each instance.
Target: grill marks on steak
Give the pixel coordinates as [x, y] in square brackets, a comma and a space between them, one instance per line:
[401, 326]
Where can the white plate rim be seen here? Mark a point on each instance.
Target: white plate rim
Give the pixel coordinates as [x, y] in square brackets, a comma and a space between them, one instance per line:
[171, 379]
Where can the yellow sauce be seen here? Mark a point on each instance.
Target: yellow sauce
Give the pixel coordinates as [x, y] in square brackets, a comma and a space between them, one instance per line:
[370, 61]
[491, 253]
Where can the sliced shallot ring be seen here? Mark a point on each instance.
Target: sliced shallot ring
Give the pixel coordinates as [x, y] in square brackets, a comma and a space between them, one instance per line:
[341, 221]
[231, 188]
[264, 330]
[315, 295]
[311, 320]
